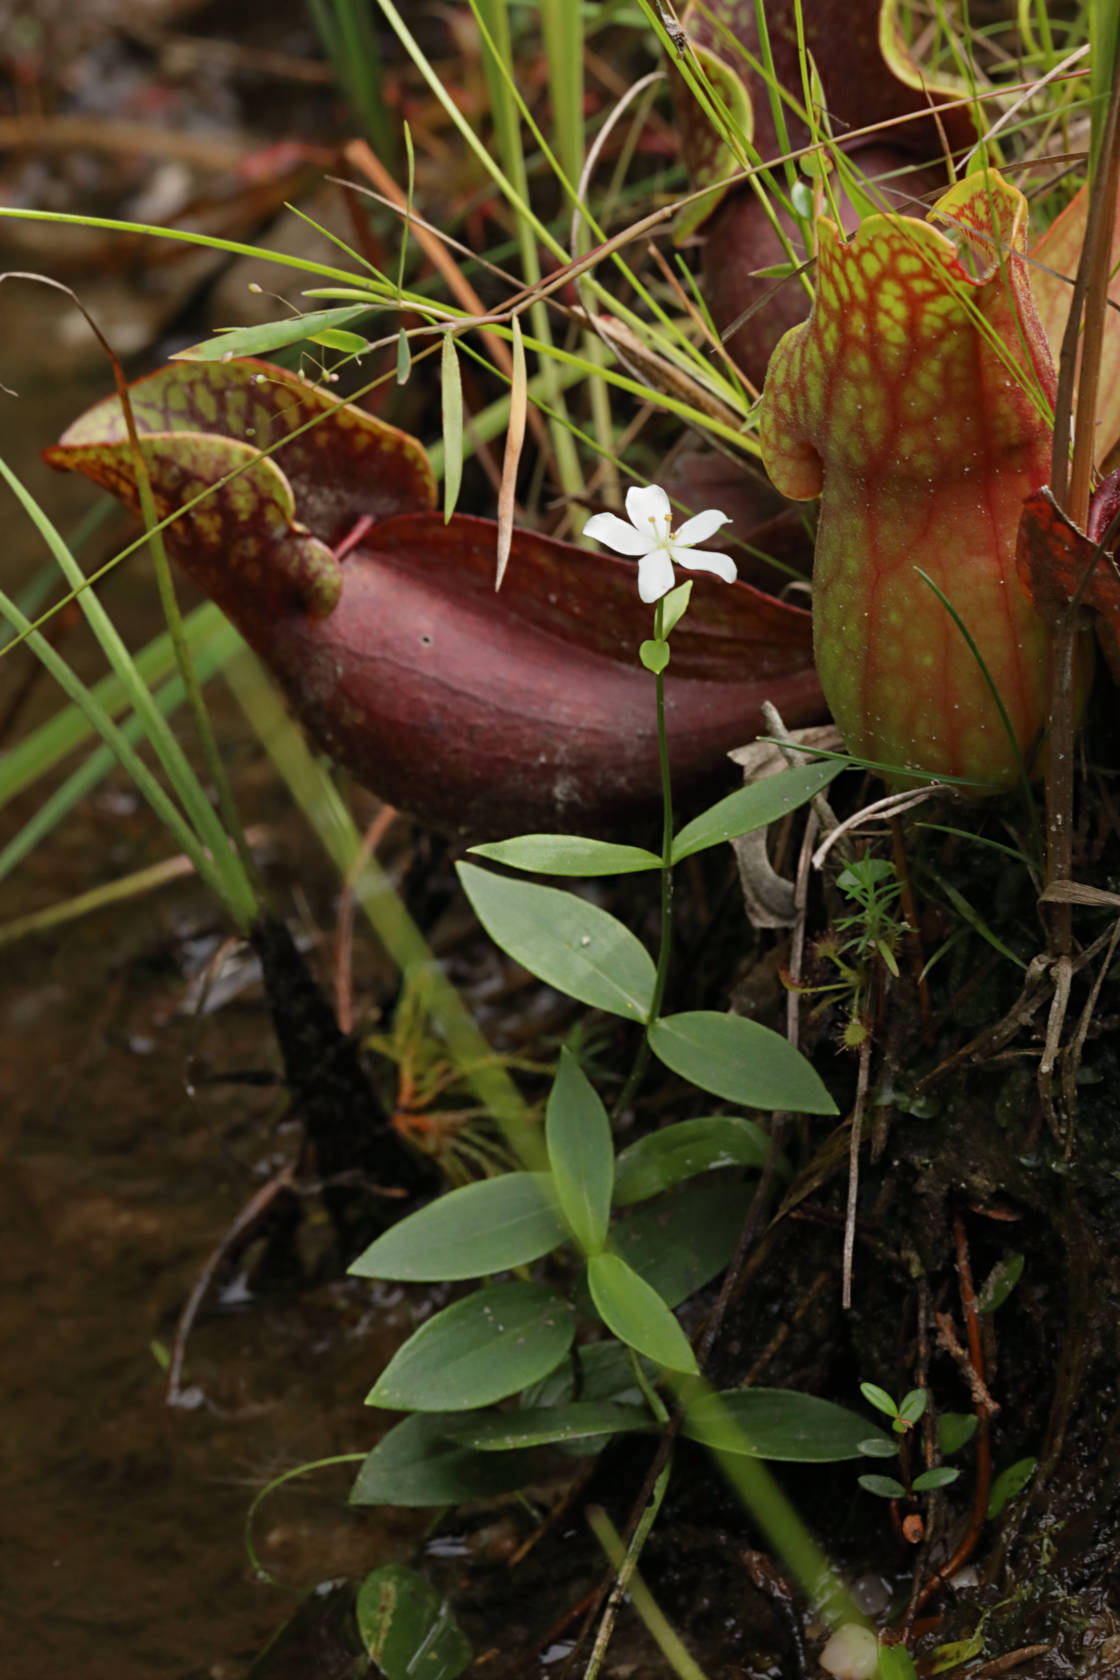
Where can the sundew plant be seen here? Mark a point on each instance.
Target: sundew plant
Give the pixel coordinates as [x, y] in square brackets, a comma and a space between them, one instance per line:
[833, 290]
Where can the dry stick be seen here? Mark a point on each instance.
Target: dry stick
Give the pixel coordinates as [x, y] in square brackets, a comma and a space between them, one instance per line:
[246, 1219]
[889, 806]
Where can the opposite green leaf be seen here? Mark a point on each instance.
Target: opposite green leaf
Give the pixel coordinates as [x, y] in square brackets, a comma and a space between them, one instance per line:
[637, 1314]
[879, 1398]
[674, 606]
[417, 1464]
[407, 1626]
[493, 1343]
[472, 1232]
[941, 1476]
[580, 1153]
[654, 655]
[663, 1158]
[776, 1423]
[565, 941]
[740, 1060]
[883, 1487]
[566, 854]
[753, 807]
[535, 1426]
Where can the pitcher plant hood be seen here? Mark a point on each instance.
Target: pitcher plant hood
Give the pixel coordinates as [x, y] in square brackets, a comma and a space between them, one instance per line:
[917, 402]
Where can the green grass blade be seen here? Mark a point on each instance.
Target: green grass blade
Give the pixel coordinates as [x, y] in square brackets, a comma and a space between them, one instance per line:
[39, 752]
[147, 785]
[99, 763]
[237, 891]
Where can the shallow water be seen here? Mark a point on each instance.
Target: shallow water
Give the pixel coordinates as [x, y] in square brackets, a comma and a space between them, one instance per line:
[121, 1518]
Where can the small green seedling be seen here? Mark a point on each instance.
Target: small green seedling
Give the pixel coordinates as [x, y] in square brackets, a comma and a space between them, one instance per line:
[904, 1414]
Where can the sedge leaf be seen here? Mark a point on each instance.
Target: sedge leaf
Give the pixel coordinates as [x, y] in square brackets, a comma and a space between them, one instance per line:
[272, 335]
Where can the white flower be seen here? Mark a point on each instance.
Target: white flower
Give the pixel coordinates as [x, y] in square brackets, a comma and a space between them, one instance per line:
[650, 537]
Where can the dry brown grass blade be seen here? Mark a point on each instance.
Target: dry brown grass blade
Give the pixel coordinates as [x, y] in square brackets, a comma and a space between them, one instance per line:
[515, 439]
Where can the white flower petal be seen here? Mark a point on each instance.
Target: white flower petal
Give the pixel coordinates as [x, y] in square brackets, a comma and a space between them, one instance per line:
[699, 560]
[655, 575]
[617, 534]
[700, 527]
[647, 507]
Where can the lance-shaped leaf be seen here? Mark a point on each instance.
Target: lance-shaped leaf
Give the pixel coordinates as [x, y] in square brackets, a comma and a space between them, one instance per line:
[917, 398]
[486, 714]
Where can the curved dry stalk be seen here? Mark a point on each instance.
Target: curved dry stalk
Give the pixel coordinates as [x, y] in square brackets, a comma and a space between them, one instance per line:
[891, 806]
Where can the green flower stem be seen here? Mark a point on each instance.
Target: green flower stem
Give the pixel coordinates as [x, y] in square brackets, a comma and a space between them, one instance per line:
[666, 936]
[666, 837]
